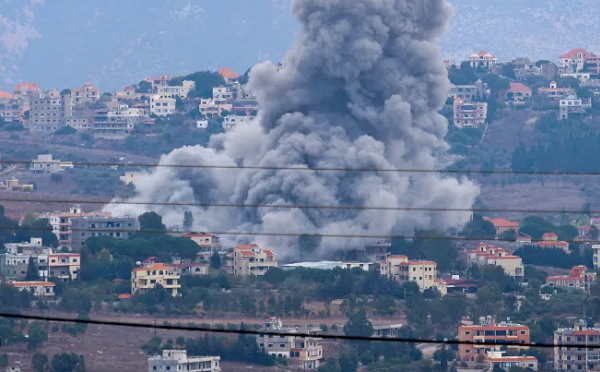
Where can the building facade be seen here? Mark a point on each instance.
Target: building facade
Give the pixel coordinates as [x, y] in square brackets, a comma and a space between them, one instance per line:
[580, 278]
[232, 121]
[153, 274]
[64, 266]
[572, 356]
[469, 114]
[45, 164]
[162, 106]
[573, 106]
[61, 222]
[39, 289]
[47, 111]
[115, 227]
[489, 331]
[252, 260]
[116, 122]
[483, 60]
[177, 360]
[402, 270]
[487, 254]
[85, 94]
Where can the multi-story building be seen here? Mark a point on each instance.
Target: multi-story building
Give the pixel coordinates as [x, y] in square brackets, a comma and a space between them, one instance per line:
[14, 262]
[578, 60]
[162, 81]
[222, 94]
[469, 93]
[596, 256]
[488, 331]
[61, 222]
[177, 360]
[45, 164]
[483, 60]
[130, 177]
[39, 289]
[10, 110]
[114, 227]
[378, 251]
[550, 240]
[487, 254]
[580, 277]
[502, 225]
[162, 106]
[172, 91]
[469, 114]
[496, 359]
[47, 111]
[252, 260]
[64, 266]
[573, 106]
[518, 94]
[303, 352]
[230, 122]
[152, 274]
[573, 356]
[399, 268]
[208, 244]
[85, 94]
[24, 91]
[188, 268]
[228, 75]
[554, 92]
[210, 107]
[116, 122]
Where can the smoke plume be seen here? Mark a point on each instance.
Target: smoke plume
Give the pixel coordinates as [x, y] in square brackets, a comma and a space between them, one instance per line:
[361, 88]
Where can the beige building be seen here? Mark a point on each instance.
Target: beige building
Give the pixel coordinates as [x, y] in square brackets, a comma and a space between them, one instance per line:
[153, 274]
[422, 273]
[47, 111]
[130, 177]
[572, 357]
[213, 107]
[483, 60]
[469, 114]
[64, 266]
[85, 94]
[39, 289]
[172, 91]
[162, 106]
[178, 360]
[252, 260]
[62, 225]
[487, 254]
[596, 249]
[497, 359]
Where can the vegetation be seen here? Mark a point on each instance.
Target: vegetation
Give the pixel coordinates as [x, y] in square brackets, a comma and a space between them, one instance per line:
[205, 81]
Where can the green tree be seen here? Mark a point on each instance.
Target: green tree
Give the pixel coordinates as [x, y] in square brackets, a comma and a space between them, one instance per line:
[66, 362]
[594, 232]
[179, 105]
[39, 362]
[204, 80]
[358, 324]
[478, 228]
[151, 221]
[215, 260]
[509, 235]
[32, 271]
[37, 335]
[274, 276]
[143, 87]
[56, 177]
[188, 220]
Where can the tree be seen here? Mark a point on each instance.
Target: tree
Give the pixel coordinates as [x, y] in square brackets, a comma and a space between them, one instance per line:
[66, 130]
[56, 177]
[358, 324]
[143, 87]
[274, 276]
[594, 232]
[308, 244]
[32, 271]
[37, 228]
[204, 81]
[188, 220]
[179, 105]
[509, 235]
[39, 362]
[478, 228]
[151, 221]
[66, 362]
[215, 260]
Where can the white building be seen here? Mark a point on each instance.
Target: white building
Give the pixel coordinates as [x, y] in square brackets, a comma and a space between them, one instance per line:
[469, 114]
[231, 121]
[177, 360]
[213, 107]
[160, 106]
[222, 94]
[45, 164]
[573, 105]
[483, 60]
[39, 289]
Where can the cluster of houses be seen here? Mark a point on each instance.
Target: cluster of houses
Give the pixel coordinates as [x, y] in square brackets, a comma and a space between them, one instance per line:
[115, 115]
[468, 102]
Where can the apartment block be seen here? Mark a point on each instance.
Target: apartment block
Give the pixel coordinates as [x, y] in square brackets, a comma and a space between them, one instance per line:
[152, 274]
[64, 266]
[114, 227]
[10, 110]
[177, 360]
[469, 114]
[573, 356]
[213, 107]
[162, 106]
[402, 270]
[487, 254]
[580, 278]
[488, 331]
[172, 91]
[208, 244]
[303, 352]
[47, 111]
[116, 121]
[573, 106]
[61, 222]
[14, 261]
[161, 81]
[596, 256]
[252, 260]
[554, 92]
[85, 94]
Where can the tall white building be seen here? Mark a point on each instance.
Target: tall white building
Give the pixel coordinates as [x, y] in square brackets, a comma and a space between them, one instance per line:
[160, 106]
[177, 360]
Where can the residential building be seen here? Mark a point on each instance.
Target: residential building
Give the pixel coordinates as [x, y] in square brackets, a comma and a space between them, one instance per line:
[571, 357]
[573, 106]
[162, 106]
[378, 251]
[487, 254]
[489, 331]
[80, 123]
[116, 122]
[386, 330]
[365, 266]
[61, 222]
[85, 94]
[177, 360]
[554, 92]
[228, 75]
[130, 177]
[503, 225]
[524, 67]
[549, 71]
[39, 289]
[188, 268]
[252, 260]
[10, 110]
[550, 240]
[152, 274]
[230, 122]
[172, 91]
[496, 359]
[161, 81]
[596, 257]
[14, 185]
[303, 352]
[128, 92]
[469, 114]
[576, 60]
[222, 94]
[518, 94]
[580, 277]
[210, 107]
[399, 268]
[24, 90]
[582, 77]
[14, 262]
[469, 93]
[208, 244]
[114, 227]
[64, 266]
[483, 60]
[45, 164]
[47, 111]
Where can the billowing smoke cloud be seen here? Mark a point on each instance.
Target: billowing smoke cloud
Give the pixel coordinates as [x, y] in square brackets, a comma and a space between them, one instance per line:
[361, 88]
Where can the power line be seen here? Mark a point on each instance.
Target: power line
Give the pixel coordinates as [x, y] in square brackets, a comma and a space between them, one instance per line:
[284, 206]
[324, 169]
[316, 235]
[287, 334]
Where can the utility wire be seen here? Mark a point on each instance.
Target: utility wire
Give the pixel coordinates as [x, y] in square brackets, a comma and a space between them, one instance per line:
[284, 206]
[287, 334]
[242, 233]
[307, 168]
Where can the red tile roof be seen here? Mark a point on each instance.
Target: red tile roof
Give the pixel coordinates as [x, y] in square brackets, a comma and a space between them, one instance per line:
[268, 252]
[124, 296]
[247, 246]
[26, 86]
[549, 236]
[573, 53]
[228, 73]
[503, 222]
[416, 263]
[5, 95]
[518, 87]
[33, 284]
[157, 266]
[247, 254]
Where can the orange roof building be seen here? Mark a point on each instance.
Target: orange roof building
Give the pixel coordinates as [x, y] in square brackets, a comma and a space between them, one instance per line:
[502, 225]
[153, 274]
[250, 259]
[578, 278]
[402, 270]
[5, 95]
[228, 74]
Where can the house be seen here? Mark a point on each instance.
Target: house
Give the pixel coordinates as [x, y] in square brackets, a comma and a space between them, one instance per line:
[469, 93]
[483, 60]
[45, 164]
[15, 259]
[579, 60]
[10, 109]
[487, 254]
[64, 266]
[115, 227]
[496, 359]
[128, 92]
[152, 274]
[386, 330]
[116, 121]
[61, 222]
[524, 67]
[222, 94]
[171, 91]
[130, 177]
[518, 94]
[188, 268]
[229, 75]
[596, 256]
[571, 357]
[503, 225]
[582, 77]
[252, 260]
[160, 106]
[161, 81]
[210, 107]
[550, 240]
[489, 331]
[231, 121]
[85, 94]
[469, 114]
[402, 270]
[23, 90]
[580, 277]
[14, 185]
[208, 244]
[39, 289]
[554, 92]
[304, 352]
[573, 106]
[177, 360]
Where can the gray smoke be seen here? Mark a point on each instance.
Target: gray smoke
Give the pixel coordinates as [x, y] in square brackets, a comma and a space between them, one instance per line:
[361, 88]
